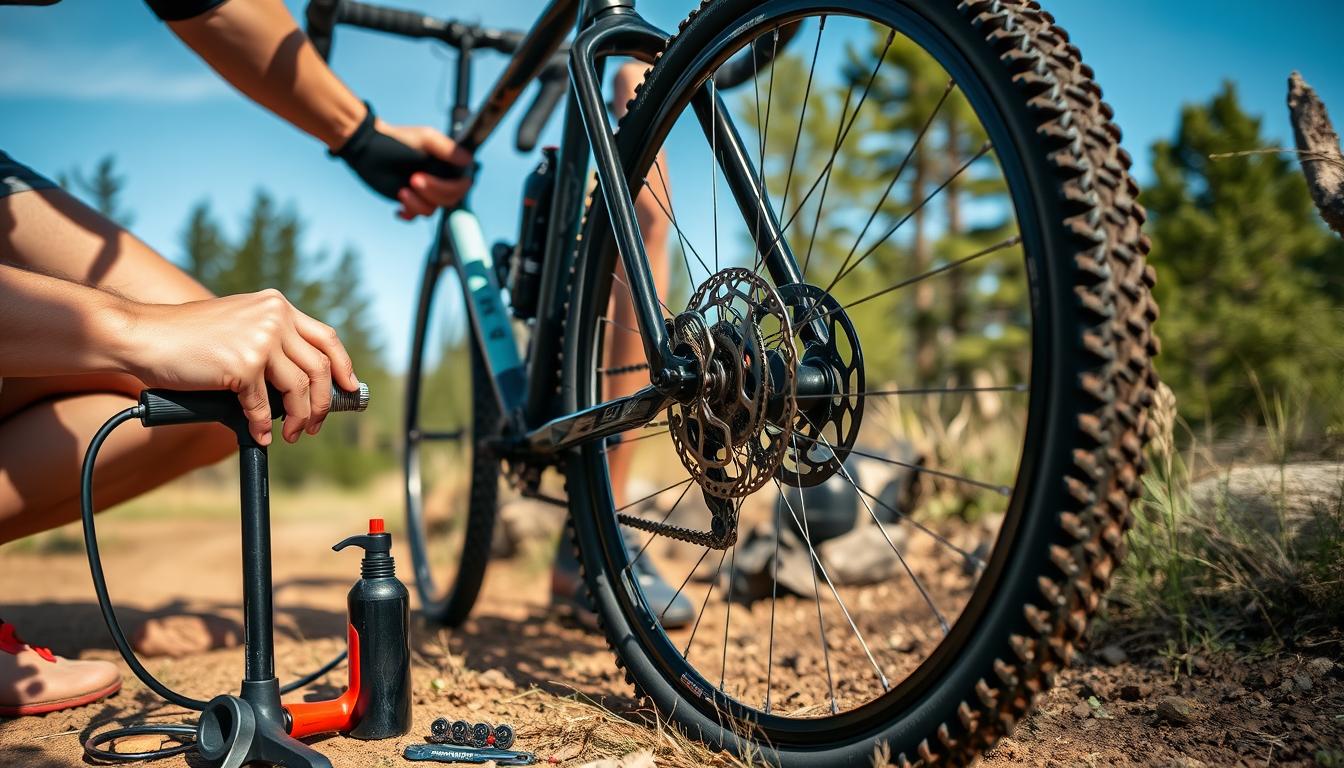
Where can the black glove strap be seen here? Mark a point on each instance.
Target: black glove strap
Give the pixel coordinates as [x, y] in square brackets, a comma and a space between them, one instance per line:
[386, 164]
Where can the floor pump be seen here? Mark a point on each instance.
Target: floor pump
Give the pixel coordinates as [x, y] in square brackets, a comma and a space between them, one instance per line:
[254, 726]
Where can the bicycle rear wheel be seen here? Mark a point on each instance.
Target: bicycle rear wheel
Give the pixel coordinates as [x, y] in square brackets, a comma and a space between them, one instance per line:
[1005, 334]
[451, 482]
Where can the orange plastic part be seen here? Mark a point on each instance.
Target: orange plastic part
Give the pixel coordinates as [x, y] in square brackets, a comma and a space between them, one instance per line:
[338, 714]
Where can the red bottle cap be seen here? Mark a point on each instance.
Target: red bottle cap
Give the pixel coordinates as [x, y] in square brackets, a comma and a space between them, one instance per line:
[376, 525]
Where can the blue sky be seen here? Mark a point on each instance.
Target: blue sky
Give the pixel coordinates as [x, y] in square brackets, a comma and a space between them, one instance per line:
[91, 77]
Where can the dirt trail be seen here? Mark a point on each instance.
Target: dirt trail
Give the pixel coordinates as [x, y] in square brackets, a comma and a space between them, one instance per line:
[514, 662]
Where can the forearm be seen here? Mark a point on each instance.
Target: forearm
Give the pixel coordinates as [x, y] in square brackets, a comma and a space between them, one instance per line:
[258, 47]
[53, 327]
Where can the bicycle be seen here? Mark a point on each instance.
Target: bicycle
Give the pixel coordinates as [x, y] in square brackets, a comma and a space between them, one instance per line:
[758, 380]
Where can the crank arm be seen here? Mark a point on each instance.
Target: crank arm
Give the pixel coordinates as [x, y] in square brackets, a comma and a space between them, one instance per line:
[600, 421]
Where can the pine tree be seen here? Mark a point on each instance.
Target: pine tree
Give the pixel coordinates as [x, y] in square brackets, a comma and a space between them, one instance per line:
[1245, 269]
[102, 190]
[206, 254]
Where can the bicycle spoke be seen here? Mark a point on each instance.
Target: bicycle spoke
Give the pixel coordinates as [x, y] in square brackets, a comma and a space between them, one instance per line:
[684, 582]
[900, 170]
[670, 212]
[728, 616]
[835, 150]
[1002, 490]
[826, 174]
[654, 535]
[909, 281]
[704, 604]
[835, 592]
[967, 556]
[774, 591]
[615, 324]
[763, 136]
[843, 273]
[816, 593]
[917, 391]
[942, 622]
[802, 116]
[630, 440]
[631, 293]
[655, 493]
[714, 164]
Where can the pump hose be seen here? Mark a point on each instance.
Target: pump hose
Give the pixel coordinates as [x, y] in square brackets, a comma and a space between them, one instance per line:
[183, 733]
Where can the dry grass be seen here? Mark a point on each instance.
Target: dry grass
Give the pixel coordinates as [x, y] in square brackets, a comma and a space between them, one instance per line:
[1203, 572]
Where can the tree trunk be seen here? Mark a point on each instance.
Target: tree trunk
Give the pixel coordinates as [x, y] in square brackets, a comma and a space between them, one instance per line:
[958, 301]
[1318, 145]
[926, 352]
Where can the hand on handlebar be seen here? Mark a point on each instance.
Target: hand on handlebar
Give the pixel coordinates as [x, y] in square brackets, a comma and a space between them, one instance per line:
[427, 192]
[417, 166]
[240, 343]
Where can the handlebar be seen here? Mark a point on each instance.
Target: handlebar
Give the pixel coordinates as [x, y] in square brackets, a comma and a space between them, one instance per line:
[324, 15]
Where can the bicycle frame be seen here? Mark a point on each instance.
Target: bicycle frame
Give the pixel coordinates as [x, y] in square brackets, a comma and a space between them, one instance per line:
[604, 28]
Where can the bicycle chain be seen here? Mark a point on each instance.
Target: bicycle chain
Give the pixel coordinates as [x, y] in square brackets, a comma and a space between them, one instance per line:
[718, 537]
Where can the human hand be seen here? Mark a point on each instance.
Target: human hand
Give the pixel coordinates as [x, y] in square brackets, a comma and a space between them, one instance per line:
[427, 193]
[239, 343]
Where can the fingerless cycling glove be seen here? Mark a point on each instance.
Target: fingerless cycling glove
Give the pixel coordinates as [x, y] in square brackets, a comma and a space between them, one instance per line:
[386, 164]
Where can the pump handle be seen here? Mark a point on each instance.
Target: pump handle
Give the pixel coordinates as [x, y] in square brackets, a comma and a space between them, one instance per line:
[161, 407]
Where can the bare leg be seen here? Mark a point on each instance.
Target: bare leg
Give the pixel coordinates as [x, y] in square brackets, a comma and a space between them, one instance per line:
[624, 348]
[46, 424]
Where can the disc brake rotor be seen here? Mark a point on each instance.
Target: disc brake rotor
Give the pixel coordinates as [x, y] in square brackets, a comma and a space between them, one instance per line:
[738, 329]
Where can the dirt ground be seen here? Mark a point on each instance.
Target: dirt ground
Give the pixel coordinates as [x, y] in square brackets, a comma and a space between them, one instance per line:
[558, 683]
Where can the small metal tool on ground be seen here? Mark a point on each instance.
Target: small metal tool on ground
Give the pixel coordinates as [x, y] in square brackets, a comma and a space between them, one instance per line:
[444, 753]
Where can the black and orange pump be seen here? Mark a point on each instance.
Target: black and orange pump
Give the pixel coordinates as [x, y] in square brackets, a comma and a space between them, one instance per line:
[254, 726]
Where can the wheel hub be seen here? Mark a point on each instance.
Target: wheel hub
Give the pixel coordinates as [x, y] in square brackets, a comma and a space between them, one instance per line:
[738, 330]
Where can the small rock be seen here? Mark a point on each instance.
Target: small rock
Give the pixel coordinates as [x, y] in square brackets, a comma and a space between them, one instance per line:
[1081, 710]
[493, 678]
[1199, 665]
[863, 555]
[1320, 666]
[901, 643]
[1303, 682]
[1175, 710]
[1113, 655]
[1135, 691]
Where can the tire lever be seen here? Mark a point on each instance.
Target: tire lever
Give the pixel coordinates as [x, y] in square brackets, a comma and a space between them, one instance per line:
[443, 753]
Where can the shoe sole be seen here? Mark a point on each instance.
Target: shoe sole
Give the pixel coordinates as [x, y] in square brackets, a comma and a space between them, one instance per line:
[47, 707]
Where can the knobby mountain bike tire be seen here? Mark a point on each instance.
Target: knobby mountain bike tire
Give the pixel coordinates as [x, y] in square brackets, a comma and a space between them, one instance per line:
[1091, 384]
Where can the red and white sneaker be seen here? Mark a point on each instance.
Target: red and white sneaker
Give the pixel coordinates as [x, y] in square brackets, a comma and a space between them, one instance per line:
[34, 681]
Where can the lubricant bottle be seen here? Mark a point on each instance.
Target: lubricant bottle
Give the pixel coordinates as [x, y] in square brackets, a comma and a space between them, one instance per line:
[525, 266]
[380, 650]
